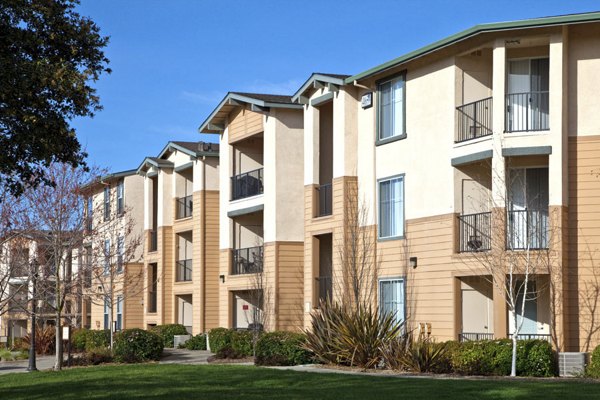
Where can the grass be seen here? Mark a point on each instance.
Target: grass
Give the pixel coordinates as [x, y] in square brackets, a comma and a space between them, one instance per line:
[153, 381]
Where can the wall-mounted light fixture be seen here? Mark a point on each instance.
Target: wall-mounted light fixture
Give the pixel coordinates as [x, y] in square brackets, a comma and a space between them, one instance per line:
[222, 278]
[99, 288]
[413, 262]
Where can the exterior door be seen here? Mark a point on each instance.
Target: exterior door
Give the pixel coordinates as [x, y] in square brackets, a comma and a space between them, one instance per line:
[519, 86]
[529, 317]
[476, 312]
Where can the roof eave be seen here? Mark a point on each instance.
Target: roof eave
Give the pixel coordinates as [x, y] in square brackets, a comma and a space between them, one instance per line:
[310, 83]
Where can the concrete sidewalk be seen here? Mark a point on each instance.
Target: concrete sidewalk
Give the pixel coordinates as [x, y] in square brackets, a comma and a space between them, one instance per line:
[43, 363]
[184, 356]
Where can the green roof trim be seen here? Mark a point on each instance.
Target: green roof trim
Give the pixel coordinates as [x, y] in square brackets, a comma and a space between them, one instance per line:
[477, 29]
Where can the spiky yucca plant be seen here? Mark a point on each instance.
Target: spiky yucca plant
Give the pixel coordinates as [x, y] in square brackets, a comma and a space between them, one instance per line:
[352, 336]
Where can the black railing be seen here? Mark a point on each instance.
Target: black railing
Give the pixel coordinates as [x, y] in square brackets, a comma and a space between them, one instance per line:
[527, 229]
[247, 261]
[325, 200]
[527, 111]
[474, 120]
[184, 271]
[247, 184]
[475, 232]
[185, 207]
[533, 336]
[325, 287]
[151, 302]
[473, 336]
[153, 241]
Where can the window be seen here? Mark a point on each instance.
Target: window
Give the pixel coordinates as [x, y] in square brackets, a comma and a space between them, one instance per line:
[119, 313]
[106, 257]
[391, 298]
[106, 203]
[391, 108]
[106, 320]
[120, 253]
[120, 198]
[391, 207]
[89, 213]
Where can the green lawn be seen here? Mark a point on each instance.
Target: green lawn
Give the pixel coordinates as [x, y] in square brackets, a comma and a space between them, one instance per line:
[171, 382]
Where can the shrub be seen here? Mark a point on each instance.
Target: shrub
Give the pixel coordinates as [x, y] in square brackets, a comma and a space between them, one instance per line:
[44, 340]
[97, 339]
[168, 331]
[242, 342]
[78, 339]
[229, 353]
[282, 348]
[219, 338]
[494, 357]
[593, 368]
[197, 342]
[425, 355]
[350, 336]
[137, 345]
[97, 356]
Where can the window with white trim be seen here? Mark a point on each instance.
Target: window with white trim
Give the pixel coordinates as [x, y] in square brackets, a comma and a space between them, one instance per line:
[106, 256]
[106, 203]
[391, 108]
[391, 298]
[120, 198]
[119, 313]
[391, 207]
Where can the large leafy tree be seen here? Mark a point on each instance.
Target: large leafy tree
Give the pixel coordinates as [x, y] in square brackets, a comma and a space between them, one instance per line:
[49, 57]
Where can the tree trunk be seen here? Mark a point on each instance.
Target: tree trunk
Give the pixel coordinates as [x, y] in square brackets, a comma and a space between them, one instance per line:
[110, 324]
[513, 366]
[58, 359]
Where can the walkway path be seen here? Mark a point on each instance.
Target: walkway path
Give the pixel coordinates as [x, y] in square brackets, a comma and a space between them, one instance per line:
[43, 362]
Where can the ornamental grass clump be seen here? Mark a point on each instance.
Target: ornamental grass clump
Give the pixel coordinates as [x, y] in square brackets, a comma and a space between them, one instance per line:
[352, 336]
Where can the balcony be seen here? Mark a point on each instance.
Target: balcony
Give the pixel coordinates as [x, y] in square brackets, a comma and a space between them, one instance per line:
[527, 111]
[153, 246]
[324, 193]
[184, 271]
[247, 184]
[184, 207]
[527, 229]
[475, 232]
[474, 120]
[247, 261]
[472, 336]
[325, 287]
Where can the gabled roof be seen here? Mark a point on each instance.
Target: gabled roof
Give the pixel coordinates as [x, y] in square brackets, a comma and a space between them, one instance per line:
[193, 149]
[318, 80]
[215, 123]
[474, 31]
[150, 162]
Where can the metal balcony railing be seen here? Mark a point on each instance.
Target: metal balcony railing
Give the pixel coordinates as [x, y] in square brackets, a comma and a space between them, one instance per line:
[325, 287]
[474, 120]
[247, 184]
[247, 261]
[152, 302]
[533, 336]
[474, 336]
[475, 232]
[184, 271]
[527, 229]
[185, 207]
[153, 241]
[325, 200]
[527, 111]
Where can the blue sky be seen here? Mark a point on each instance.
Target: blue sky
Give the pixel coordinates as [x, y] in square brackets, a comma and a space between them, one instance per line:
[174, 60]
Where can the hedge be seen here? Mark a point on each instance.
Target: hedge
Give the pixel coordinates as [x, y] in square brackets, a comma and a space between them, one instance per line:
[97, 339]
[282, 348]
[168, 331]
[137, 345]
[242, 343]
[219, 338]
[494, 357]
[197, 342]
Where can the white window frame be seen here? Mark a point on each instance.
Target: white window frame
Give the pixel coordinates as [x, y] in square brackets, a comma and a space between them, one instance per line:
[119, 313]
[399, 235]
[120, 253]
[106, 202]
[120, 197]
[106, 256]
[403, 283]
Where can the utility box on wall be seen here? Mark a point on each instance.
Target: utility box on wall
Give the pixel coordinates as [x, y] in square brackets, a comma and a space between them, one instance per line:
[571, 364]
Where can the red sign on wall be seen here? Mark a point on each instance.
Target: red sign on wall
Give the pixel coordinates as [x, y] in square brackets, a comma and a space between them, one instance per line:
[245, 307]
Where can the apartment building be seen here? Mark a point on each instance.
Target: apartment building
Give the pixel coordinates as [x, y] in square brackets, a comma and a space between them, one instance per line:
[181, 232]
[261, 225]
[112, 252]
[24, 255]
[485, 142]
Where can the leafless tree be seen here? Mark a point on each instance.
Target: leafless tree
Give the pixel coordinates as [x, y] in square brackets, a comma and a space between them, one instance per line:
[111, 255]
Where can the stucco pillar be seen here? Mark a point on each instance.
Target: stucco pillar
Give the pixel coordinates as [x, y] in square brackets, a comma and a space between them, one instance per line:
[499, 109]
